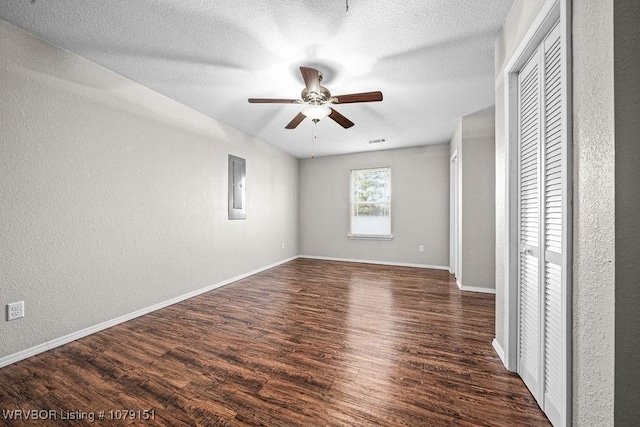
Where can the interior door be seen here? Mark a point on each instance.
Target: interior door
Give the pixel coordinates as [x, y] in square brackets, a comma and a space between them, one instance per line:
[529, 132]
[554, 200]
[542, 161]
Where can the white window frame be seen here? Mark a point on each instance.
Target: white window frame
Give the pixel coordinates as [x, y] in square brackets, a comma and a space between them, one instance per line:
[351, 205]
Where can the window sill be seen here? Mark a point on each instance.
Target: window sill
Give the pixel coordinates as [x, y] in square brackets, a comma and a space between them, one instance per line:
[368, 237]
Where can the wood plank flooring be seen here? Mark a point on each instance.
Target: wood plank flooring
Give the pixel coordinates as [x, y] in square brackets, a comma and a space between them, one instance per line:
[308, 343]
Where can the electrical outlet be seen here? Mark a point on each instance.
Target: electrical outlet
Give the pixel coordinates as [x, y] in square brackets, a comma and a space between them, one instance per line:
[283, 246]
[15, 310]
[421, 248]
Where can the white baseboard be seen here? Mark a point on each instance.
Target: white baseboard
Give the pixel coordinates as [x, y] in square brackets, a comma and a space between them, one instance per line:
[498, 350]
[475, 289]
[366, 261]
[40, 348]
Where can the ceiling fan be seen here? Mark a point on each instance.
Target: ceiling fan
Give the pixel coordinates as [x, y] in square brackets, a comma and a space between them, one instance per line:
[316, 98]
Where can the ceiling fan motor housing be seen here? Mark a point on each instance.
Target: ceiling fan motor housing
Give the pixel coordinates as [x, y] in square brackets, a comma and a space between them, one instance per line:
[315, 98]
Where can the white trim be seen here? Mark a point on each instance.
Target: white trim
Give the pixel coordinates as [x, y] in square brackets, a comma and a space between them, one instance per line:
[510, 340]
[499, 350]
[475, 289]
[454, 204]
[367, 261]
[544, 22]
[41, 348]
[369, 237]
[567, 266]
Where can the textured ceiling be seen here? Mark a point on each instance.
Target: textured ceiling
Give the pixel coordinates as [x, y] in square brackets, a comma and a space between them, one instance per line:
[432, 59]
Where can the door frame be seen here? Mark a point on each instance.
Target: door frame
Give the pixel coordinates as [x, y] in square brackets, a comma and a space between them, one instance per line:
[454, 215]
[551, 12]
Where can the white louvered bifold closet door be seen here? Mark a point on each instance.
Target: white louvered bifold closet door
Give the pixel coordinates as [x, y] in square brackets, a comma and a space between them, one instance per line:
[541, 157]
[553, 362]
[529, 189]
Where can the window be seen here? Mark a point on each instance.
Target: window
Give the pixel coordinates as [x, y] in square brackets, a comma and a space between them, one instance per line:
[370, 207]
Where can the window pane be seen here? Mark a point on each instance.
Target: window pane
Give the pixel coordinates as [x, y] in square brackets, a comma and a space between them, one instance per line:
[371, 185]
[371, 219]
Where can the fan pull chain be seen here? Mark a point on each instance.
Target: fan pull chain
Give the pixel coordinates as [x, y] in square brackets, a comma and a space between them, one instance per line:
[347, 5]
[313, 139]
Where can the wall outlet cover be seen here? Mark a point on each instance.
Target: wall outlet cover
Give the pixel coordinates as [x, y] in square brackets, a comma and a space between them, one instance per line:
[15, 310]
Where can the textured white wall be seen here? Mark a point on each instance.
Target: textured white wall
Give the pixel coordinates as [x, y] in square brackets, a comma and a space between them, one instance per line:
[627, 297]
[474, 138]
[594, 214]
[114, 198]
[420, 206]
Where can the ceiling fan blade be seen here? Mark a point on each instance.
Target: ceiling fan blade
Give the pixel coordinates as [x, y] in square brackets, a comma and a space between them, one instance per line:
[311, 78]
[273, 101]
[295, 122]
[340, 119]
[358, 97]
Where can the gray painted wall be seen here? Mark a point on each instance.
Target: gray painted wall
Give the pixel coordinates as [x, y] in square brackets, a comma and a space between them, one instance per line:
[627, 182]
[114, 198]
[420, 206]
[474, 140]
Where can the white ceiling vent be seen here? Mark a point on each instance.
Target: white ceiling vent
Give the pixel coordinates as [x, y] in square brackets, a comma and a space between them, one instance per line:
[377, 141]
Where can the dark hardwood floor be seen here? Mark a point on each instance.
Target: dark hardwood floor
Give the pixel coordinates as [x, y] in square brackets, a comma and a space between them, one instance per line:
[308, 343]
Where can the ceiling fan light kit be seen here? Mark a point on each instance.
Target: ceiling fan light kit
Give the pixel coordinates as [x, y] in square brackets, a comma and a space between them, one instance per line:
[316, 112]
[316, 98]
